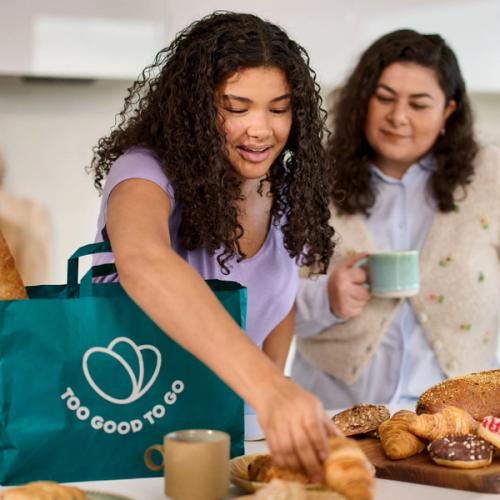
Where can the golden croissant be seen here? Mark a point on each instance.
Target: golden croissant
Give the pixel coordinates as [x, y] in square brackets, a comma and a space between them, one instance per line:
[348, 470]
[396, 439]
[450, 421]
[263, 470]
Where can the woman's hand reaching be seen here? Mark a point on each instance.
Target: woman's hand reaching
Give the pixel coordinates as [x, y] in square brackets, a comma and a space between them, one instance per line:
[296, 427]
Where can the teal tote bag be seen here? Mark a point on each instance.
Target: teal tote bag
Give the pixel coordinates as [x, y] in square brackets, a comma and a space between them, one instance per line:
[88, 382]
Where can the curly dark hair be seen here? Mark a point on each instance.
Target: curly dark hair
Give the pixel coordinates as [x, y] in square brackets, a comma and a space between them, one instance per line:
[348, 150]
[171, 110]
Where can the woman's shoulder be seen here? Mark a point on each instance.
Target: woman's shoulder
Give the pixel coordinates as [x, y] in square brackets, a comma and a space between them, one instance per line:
[137, 159]
[138, 163]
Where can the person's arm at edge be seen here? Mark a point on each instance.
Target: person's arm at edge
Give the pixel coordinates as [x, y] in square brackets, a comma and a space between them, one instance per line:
[314, 313]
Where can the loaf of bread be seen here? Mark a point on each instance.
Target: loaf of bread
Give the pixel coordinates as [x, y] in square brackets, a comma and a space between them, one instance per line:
[11, 285]
[477, 393]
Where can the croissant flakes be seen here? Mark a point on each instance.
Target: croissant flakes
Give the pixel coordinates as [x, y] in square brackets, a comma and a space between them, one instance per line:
[451, 421]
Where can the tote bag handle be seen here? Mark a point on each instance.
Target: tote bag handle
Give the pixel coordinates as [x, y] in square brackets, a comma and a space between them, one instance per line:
[95, 271]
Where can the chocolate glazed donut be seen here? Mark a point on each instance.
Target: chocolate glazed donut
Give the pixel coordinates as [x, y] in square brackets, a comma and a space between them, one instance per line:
[464, 452]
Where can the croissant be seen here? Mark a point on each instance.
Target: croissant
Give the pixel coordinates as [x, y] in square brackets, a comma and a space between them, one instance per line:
[263, 470]
[450, 421]
[11, 285]
[348, 470]
[396, 439]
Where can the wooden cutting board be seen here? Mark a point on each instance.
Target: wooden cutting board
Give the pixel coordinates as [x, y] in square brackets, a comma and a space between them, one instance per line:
[421, 469]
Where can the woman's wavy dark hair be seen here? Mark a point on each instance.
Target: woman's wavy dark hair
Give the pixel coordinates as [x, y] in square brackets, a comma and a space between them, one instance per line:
[348, 150]
[171, 110]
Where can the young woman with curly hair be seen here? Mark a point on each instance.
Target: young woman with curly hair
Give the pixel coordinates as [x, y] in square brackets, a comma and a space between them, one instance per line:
[216, 170]
[409, 175]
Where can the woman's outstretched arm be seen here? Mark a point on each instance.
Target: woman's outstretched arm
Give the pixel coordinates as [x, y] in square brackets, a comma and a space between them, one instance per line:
[178, 300]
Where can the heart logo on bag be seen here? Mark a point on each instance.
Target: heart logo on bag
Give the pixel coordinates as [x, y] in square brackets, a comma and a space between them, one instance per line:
[138, 384]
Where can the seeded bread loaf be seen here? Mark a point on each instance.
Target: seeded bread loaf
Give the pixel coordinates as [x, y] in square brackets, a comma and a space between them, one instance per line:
[478, 393]
[361, 419]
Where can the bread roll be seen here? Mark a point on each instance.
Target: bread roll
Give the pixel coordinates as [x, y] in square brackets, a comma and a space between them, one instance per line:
[477, 393]
[361, 419]
[11, 285]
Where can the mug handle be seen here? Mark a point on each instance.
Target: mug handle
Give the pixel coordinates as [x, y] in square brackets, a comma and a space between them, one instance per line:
[361, 263]
[147, 457]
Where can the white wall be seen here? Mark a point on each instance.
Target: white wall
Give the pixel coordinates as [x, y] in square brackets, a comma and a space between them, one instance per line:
[94, 38]
[335, 32]
[47, 130]
[486, 109]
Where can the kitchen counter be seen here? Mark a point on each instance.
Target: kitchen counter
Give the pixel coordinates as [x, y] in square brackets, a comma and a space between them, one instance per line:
[152, 488]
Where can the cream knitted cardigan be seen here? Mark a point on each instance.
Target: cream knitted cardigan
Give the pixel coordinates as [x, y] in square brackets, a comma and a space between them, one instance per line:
[459, 301]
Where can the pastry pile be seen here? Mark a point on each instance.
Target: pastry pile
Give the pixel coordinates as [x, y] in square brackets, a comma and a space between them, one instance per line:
[450, 435]
[457, 421]
[347, 470]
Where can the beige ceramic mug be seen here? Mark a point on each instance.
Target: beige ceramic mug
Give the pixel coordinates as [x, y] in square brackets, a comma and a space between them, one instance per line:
[195, 463]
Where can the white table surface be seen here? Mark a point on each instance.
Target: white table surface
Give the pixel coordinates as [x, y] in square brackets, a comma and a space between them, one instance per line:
[152, 488]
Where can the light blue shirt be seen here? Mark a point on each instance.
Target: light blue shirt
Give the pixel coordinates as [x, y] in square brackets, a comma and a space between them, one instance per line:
[404, 364]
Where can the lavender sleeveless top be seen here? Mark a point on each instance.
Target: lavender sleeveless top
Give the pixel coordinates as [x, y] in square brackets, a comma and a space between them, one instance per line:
[270, 276]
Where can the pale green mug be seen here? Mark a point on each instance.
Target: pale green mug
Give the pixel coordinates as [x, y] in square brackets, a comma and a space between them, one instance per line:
[392, 274]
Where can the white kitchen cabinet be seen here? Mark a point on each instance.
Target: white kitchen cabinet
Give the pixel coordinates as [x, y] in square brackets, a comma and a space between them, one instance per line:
[118, 38]
[80, 39]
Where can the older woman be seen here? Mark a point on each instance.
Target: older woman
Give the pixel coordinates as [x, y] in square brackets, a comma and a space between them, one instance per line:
[409, 175]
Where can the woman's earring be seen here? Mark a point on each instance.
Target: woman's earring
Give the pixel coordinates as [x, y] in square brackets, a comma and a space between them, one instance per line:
[442, 131]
